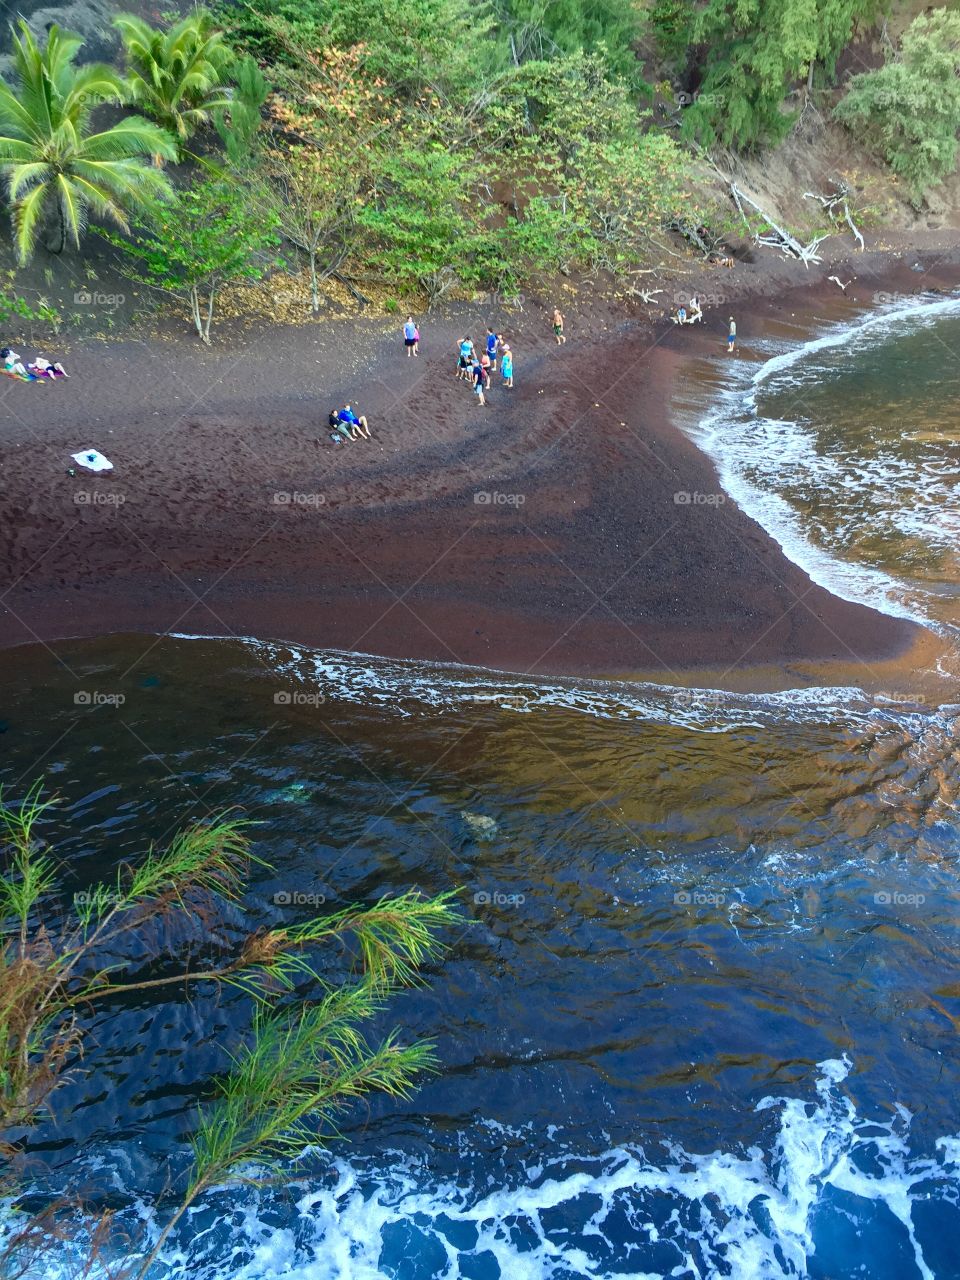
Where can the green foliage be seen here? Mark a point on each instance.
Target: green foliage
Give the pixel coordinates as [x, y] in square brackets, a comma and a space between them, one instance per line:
[239, 124]
[53, 162]
[671, 21]
[910, 108]
[753, 52]
[14, 307]
[213, 232]
[305, 1060]
[421, 227]
[542, 29]
[176, 76]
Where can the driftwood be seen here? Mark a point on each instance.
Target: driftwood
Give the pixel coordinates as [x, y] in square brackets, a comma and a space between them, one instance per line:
[838, 202]
[777, 237]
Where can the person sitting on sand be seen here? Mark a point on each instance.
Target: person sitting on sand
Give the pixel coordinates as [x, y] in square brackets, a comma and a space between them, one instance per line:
[336, 425]
[696, 311]
[12, 362]
[357, 423]
[43, 368]
[681, 316]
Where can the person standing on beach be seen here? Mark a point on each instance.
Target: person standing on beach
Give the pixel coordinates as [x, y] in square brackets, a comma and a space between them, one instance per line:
[411, 337]
[486, 366]
[492, 341]
[464, 359]
[478, 377]
[732, 335]
[558, 326]
[506, 365]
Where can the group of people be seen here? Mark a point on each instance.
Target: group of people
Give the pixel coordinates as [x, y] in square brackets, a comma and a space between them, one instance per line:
[476, 368]
[40, 367]
[695, 313]
[348, 425]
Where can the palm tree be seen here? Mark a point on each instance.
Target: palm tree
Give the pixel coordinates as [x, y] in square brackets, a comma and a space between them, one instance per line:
[176, 76]
[49, 156]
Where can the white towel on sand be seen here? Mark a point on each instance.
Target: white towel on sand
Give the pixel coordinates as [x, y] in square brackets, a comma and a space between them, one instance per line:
[93, 460]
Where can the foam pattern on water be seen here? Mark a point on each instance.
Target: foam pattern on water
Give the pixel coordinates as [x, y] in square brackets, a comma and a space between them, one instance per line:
[756, 454]
[785, 1209]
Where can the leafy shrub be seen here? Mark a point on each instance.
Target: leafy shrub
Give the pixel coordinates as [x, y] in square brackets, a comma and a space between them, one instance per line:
[910, 108]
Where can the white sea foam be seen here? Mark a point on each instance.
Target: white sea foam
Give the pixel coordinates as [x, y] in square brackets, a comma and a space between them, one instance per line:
[754, 1213]
[750, 452]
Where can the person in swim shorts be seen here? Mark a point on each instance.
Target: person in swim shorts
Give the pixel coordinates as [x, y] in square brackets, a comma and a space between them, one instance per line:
[558, 326]
[411, 337]
[465, 359]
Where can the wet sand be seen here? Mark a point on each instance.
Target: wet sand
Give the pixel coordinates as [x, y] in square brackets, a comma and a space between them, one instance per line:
[543, 533]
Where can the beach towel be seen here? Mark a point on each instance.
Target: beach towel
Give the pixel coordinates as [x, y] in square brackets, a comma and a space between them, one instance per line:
[92, 460]
[20, 377]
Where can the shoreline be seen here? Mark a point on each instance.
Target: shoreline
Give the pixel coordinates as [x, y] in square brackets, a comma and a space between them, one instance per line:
[584, 564]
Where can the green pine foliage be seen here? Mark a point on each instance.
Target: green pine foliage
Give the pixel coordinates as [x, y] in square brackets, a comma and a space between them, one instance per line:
[543, 29]
[909, 109]
[751, 53]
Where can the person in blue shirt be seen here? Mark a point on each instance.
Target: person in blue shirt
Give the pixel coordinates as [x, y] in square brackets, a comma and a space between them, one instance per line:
[356, 424]
[492, 342]
[464, 359]
[411, 337]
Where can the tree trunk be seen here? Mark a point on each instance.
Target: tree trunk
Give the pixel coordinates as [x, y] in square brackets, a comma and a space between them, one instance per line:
[314, 287]
[206, 326]
[195, 310]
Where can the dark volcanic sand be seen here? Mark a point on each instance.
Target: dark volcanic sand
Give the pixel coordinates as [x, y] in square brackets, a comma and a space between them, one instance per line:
[597, 569]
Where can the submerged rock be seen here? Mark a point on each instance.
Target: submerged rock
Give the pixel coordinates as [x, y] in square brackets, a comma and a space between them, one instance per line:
[481, 827]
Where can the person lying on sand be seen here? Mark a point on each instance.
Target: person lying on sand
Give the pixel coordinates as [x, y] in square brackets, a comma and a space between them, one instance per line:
[12, 362]
[44, 368]
[356, 423]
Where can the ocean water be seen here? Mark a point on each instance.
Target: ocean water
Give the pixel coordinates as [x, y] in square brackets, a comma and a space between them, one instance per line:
[701, 1016]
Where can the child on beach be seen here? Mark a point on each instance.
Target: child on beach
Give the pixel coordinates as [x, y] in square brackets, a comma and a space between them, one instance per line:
[12, 362]
[411, 337]
[486, 366]
[732, 335]
[506, 365]
[492, 341]
[464, 359]
[558, 326]
[478, 377]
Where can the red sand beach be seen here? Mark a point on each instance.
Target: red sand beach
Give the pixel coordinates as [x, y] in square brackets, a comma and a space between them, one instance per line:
[541, 533]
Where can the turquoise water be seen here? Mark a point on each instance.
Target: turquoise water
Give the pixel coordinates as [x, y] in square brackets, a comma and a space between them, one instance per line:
[701, 1018]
